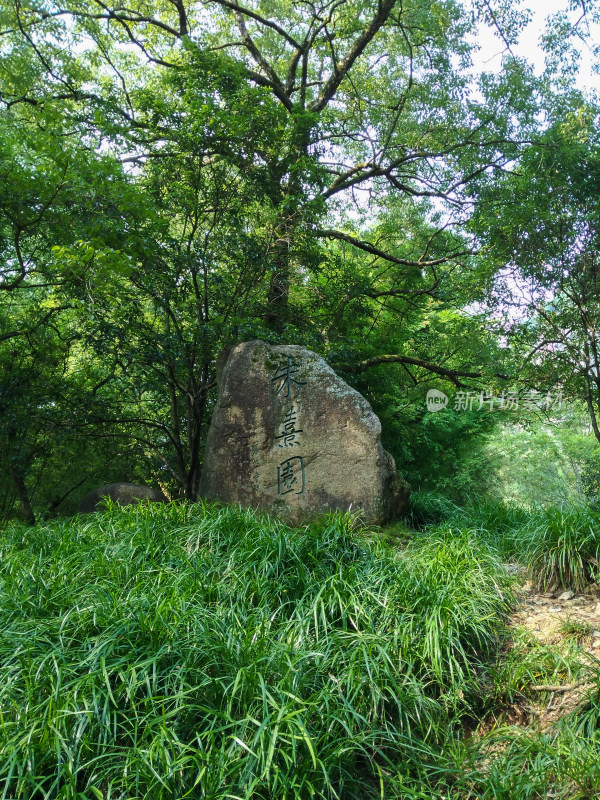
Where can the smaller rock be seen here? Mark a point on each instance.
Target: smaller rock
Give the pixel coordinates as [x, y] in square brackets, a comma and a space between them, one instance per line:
[552, 608]
[123, 494]
[597, 609]
[513, 569]
[547, 594]
[568, 595]
[596, 634]
[596, 643]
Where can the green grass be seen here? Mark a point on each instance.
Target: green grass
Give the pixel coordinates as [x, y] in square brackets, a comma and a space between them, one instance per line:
[558, 548]
[511, 762]
[427, 509]
[561, 547]
[577, 630]
[528, 662]
[561, 762]
[495, 523]
[195, 651]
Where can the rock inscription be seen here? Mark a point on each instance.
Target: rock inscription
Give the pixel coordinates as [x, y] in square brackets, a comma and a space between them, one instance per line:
[291, 437]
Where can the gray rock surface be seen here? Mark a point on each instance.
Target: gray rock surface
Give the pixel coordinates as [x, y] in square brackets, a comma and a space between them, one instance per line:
[568, 595]
[291, 437]
[125, 494]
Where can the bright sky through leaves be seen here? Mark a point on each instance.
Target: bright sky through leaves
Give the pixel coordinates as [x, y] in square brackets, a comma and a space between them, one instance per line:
[529, 47]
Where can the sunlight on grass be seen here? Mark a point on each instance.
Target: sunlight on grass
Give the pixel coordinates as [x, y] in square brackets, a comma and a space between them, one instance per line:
[171, 651]
[562, 547]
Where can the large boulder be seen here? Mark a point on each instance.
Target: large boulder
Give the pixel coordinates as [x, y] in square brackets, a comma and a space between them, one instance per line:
[124, 494]
[291, 437]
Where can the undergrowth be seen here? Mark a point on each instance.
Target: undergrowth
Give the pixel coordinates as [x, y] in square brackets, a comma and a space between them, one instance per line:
[561, 762]
[556, 548]
[559, 547]
[196, 651]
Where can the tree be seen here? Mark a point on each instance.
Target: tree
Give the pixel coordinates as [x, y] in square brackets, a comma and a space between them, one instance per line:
[542, 223]
[314, 104]
[56, 193]
[292, 172]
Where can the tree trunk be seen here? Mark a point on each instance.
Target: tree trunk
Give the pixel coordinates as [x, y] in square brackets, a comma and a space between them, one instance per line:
[22, 494]
[288, 198]
[279, 286]
[277, 300]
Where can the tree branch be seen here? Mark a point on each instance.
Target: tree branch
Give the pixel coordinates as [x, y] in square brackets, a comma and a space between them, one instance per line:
[452, 375]
[263, 20]
[384, 9]
[28, 331]
[277, 85]
[369, 248]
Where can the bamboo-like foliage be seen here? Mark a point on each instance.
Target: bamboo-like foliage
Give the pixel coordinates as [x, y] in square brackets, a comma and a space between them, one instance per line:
[561, 547]
[197, 651]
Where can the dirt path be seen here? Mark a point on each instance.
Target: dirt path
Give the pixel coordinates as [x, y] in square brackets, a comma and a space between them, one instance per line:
[548, 615]
[559, 619]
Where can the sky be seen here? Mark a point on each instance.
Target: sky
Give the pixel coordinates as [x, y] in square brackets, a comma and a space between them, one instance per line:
[492, 47]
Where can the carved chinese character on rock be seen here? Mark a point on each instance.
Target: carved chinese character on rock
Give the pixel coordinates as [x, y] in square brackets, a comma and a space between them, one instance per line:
[284, 379]
[291, 437]
[290, 476]
[289, 433]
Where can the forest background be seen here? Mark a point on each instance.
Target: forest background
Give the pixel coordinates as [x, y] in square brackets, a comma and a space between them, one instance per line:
[176, 177]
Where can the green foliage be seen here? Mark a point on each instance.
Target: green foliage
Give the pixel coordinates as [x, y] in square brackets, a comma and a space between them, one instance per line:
[558, 546]
[545, 461]
[577, 630]
[494, 518]
[585, 720]
[184, 178]
[455, 616]
[561, 761]
[590, 478]
[429, 509]
[443, 452]
[561, 547]
[492, 522]
[541, 226]
[525, 663]
[153, 650]
[527, 764]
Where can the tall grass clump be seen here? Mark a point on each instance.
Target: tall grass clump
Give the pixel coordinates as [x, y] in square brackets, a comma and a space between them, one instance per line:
[494, 523]
[530, 765]
[429, 509]
[497, 522]
[206, 652]
[561, 547]
[494, 515]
